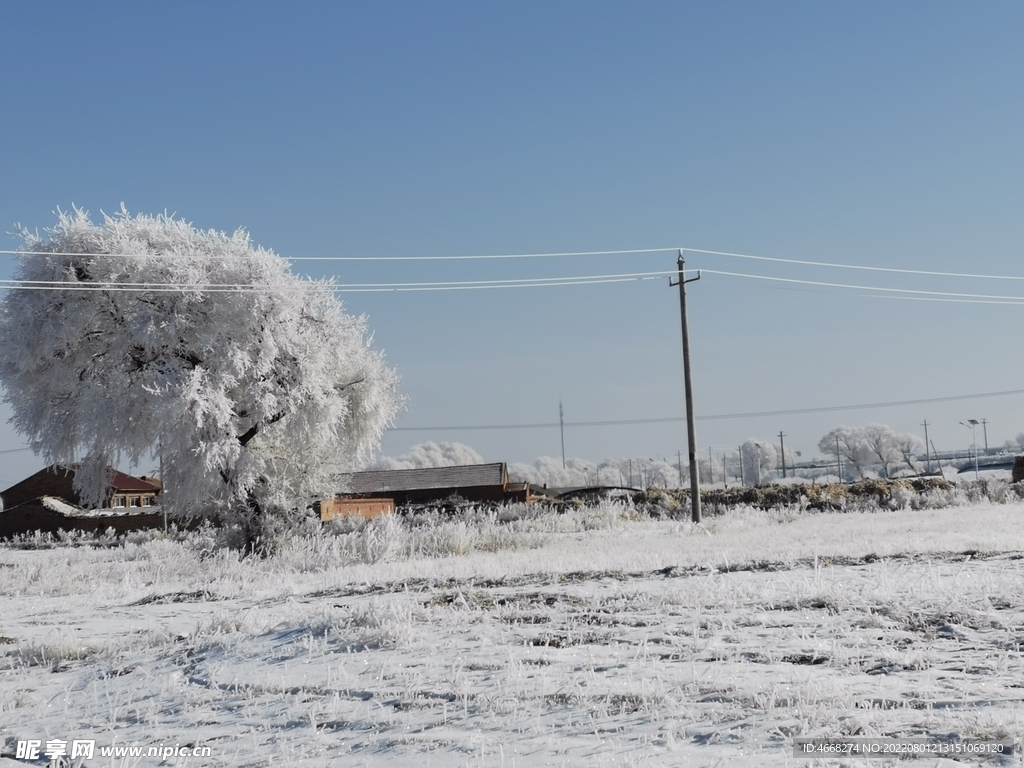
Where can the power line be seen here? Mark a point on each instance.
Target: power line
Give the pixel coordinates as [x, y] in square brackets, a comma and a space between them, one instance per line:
[865, 287]
[563, 254]
[481, 257]
[529, 282]
[472, 257]
[857, 266]
[336, 288]
[714, 417]
[949, 301]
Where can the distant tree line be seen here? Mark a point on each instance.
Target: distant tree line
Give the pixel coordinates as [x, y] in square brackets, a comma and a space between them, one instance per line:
[873, 445]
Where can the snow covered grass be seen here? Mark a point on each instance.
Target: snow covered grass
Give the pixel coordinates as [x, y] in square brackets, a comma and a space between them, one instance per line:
[597, 636]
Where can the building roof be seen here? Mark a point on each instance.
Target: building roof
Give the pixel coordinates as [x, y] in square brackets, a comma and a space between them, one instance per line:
[466, 476]
[57, 480]
[120, 482]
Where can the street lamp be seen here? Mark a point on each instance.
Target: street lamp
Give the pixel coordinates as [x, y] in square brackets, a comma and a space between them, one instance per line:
[973, 424]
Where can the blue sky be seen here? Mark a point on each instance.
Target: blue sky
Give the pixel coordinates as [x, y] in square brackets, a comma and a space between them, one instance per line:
[865, 133]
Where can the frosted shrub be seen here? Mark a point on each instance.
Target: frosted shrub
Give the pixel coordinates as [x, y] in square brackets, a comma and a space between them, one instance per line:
[381, 624]
[1000, 491]
[936, 498]
[343, 524]
[307, 554]
[494, 538]
[379, 537]
[519, 511]
[453, 537]
[662, 503]
[902, 498]
[459, 538]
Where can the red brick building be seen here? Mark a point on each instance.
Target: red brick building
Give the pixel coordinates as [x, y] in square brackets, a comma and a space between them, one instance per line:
[125, 492]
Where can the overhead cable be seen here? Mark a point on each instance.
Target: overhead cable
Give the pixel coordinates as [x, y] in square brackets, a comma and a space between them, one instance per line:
[865, 287]
[856, 266]
[471, 257]
[712, 417]
[561, 254]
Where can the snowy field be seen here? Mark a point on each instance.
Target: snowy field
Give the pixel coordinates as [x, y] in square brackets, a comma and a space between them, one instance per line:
[596, 637]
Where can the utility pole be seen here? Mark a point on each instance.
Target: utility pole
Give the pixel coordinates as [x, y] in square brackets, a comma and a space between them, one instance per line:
[679, 465]
[782, 450]
[927, 453]
[938, 461]
[972, 424]
[561, 427]
[839, 460]
[691, 432]
[984, 425]
[711, 467]
[739, 455]
[163, 485]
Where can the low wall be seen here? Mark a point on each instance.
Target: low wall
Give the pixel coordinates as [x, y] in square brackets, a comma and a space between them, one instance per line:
[30, 517]
[365, 508]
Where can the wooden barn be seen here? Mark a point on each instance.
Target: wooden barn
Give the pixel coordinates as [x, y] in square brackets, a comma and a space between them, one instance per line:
[475, 483]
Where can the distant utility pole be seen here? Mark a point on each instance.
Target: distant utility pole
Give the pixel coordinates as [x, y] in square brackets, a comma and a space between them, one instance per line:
[739, 455]
[839, 460]
[938, 461]
[163, 484]
[984, 424]
[782, 450]
[561, 428]
[927, 453]
[679, 464]
[691, 433]
[972, 424]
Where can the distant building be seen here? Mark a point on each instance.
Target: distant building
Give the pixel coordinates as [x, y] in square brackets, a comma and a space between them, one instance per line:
[125, 492]
[476, 483]
[47, 502]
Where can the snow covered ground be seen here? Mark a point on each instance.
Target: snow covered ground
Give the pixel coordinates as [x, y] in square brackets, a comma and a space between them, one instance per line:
[598, 637]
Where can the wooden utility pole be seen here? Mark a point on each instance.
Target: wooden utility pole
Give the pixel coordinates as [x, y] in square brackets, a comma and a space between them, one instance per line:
[782, 450]
[691, 432]
[927, 453]
[561, 428]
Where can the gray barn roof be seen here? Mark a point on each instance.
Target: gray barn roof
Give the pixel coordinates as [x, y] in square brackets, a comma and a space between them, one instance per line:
[467, 476]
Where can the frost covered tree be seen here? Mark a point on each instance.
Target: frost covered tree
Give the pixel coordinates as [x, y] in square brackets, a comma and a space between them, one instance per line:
[849, 444]
[549, 471]
[882, 443]
[759, 458]
[430, 454]
[143, 335]
[909, 447]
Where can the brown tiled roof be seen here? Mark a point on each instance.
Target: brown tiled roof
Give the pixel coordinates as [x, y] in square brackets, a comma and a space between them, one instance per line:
[466, 476]
[119, 481]
[116, 479]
